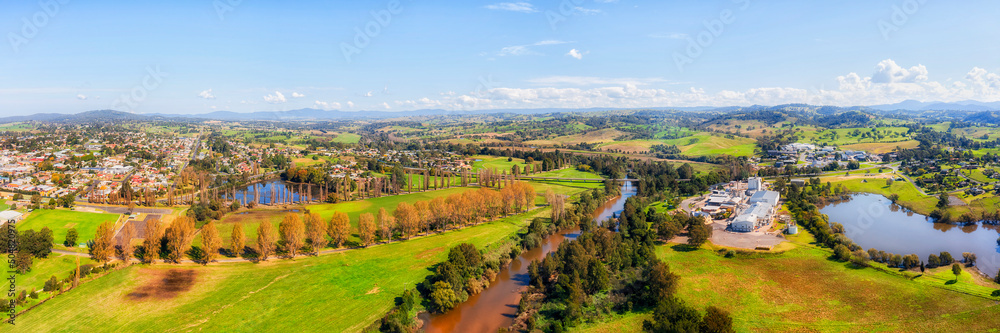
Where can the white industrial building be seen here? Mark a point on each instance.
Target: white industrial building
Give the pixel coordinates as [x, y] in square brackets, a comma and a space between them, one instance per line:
[9, 215]
[755, 184]
[759, 212]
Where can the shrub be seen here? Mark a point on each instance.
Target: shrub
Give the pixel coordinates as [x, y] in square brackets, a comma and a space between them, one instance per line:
[841, 252]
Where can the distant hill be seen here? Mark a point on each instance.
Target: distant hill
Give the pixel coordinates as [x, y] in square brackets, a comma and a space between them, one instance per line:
[913, 105]
[987, 117]
[821, 114]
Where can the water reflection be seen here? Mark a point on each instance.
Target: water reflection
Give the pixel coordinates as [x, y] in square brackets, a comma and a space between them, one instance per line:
[871, 222]
[275, 191]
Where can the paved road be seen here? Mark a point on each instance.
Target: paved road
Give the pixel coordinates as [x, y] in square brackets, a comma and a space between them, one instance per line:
[123, 210]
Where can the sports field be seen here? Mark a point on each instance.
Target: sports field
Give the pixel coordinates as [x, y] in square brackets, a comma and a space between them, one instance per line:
[60, 221]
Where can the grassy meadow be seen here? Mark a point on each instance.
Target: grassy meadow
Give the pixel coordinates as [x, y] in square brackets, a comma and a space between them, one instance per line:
[803, 290]
[252, 219]
[58, 265]
[60, 221]
[342, 292]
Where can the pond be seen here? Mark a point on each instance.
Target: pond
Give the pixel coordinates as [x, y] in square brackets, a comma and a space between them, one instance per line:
[276, 185]
[873, 221]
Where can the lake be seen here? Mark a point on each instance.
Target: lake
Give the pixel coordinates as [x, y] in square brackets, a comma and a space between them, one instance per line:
[873, 221]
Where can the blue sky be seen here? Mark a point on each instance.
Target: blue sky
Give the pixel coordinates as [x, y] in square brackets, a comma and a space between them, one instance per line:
[244, 56]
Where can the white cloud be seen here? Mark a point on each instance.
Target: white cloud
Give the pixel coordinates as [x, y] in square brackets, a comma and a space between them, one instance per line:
[297, 95]
[276, 98]
[887, 71]
[207, 94]
[519, 50]
[327, 105]
[889, 83]
[350, 104]
[521, 7]
[386, 105]
[81, 97]
[576, 54]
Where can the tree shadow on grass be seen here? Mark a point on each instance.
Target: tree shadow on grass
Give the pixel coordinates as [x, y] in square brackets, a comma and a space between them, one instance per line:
[684, 248]
[950, 282]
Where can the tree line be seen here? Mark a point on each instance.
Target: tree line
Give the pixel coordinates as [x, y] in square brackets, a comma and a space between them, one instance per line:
[296, 235]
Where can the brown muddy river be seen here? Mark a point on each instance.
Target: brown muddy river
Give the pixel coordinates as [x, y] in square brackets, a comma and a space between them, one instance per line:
[496, 306]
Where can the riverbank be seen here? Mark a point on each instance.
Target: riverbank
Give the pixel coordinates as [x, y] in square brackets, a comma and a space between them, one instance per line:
[362, 283]
[491, 309]
[911, 198]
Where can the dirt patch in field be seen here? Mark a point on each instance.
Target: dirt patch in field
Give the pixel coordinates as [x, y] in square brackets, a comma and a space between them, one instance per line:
[429, 253]
[164, 284]
[252, 216]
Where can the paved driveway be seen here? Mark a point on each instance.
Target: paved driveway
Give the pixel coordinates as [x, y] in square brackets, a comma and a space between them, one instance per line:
[123, 210]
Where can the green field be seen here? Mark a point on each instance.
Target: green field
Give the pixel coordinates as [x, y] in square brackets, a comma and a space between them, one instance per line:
[16, 127]
[704, 143]
[911, 198]
[802, 290]
[480, 162]
[978, 176]
[319, 159]
[60, 221]
[343, 292]
[847, 136]
[568, 173]
[347, 138]
[57, 265]
[252, 219]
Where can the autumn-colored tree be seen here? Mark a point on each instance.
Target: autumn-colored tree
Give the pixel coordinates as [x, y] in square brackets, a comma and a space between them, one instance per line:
[424, 215]
[439, 212]
[366, 229]
[386, 223]
[340, 229]
[210, 241]
[316, 231]
[558, 204]
[103, 247]
[527, 195]
[76, 273]
[265, 240]
[407, 218]
[238, 240]
[293, 233]
[151, 243]
[179, 236]
[125, 249]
